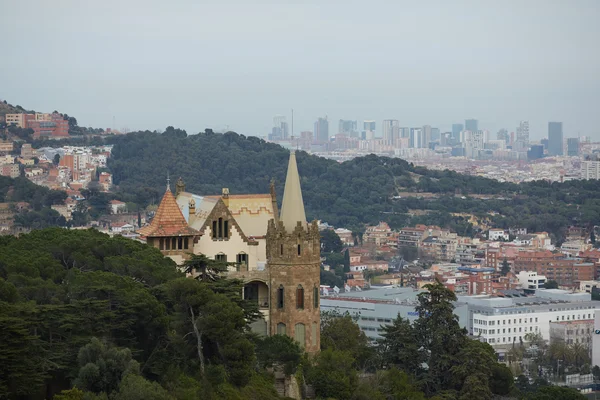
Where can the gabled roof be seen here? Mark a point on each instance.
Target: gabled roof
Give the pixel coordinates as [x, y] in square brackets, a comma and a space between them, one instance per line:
[251, 211]
[168, 220]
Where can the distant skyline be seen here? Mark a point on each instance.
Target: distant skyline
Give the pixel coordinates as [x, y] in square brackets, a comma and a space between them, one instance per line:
[198, 64]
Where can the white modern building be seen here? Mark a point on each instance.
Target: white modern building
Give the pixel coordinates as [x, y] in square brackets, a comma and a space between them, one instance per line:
[498, 234]
[590, 170]
[531, 280]
[502, 321]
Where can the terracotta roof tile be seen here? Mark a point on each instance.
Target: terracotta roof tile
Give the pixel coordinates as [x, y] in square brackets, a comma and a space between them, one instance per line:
[168, 220]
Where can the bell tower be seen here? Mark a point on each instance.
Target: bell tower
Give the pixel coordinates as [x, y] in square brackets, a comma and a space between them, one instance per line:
[294, 258]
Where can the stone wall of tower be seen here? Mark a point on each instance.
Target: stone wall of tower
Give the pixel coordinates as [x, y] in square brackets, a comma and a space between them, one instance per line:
[293, 260]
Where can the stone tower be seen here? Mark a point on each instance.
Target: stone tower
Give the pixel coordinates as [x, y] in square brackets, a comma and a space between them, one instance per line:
[293, 258]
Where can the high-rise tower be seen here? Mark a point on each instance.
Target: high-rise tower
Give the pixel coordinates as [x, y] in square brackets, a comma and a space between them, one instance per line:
[555, 138]
[293, 258]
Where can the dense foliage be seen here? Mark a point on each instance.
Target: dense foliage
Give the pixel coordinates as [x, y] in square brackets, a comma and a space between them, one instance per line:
[361, 191]
[113, 317]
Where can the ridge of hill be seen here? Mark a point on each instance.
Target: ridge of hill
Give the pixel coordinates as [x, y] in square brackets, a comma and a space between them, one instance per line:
[349, 194]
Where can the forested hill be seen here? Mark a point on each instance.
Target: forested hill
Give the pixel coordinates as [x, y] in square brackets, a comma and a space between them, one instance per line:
[344, 194]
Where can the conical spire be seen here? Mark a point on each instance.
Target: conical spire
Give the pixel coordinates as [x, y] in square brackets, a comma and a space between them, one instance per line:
[292, 206]
[168, 220]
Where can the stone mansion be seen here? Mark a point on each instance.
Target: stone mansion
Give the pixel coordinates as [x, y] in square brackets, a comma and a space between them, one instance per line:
[276, 254]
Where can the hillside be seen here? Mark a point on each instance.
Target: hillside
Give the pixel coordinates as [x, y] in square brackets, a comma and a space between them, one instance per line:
[350, 194]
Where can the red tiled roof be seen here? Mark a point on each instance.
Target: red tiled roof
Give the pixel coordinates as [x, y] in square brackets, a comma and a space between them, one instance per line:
[168, 220]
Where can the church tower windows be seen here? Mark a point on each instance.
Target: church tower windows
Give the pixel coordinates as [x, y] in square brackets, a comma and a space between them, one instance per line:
[300, 297]
[280, 297]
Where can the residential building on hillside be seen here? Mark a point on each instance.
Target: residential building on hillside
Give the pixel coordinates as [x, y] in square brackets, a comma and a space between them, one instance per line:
[566, 271]
[531, 280]
[380, 234]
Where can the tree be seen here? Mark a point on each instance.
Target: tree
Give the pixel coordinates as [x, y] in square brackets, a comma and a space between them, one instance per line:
[331, 242]
[439, 334]
[135, 387]
[279, 350]
[347, 261]
[593, 237]
[551, 285]
[333, 375]
[396, 384]
[399, 347]
[505, 267]
[340, 332]
[501, 380]
[101, 367]
[204, 268]
[555, 392]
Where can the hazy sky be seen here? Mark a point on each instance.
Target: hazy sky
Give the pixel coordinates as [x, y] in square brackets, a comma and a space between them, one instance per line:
[195, 64]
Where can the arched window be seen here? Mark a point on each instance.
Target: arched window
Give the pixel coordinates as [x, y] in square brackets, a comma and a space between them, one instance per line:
[300, 297]
[315, 297]
[313, 334]
[280, 294]
[300, 334]
[221, 257]
[281, 328]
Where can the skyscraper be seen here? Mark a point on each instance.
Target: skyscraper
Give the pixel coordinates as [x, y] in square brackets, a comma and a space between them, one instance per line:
[369, 125]
[522, 142]
[321, 134]
[471, 125]
[555, 139]
[416, 138]
[280, 128]
[503, 135]
[390, 130]
[348, 127]
[573, 147]
[456, 130]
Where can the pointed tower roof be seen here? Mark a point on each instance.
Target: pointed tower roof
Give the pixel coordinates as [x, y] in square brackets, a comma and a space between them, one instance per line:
[292, 206]
[168, 220]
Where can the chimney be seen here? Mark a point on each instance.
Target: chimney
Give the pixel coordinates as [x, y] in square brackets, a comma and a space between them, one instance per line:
[225, 196]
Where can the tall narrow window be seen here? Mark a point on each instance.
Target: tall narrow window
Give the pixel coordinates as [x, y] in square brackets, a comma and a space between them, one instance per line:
[186, 243]
[214, 229]
[299, 250]
[167, 244]
[225, 229]
[180, 243]
[161, 243]
[220, 234]
[242, 259]
[316, 297]
[281, 249]
[299, 334]
[300, 297]
[281, 328]
[174, 244]
[280, 293]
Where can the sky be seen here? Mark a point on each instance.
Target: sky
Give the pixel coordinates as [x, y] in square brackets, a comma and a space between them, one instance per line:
[234, 64]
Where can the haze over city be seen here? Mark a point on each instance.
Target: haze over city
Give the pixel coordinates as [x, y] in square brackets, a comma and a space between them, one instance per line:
[234, 65]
